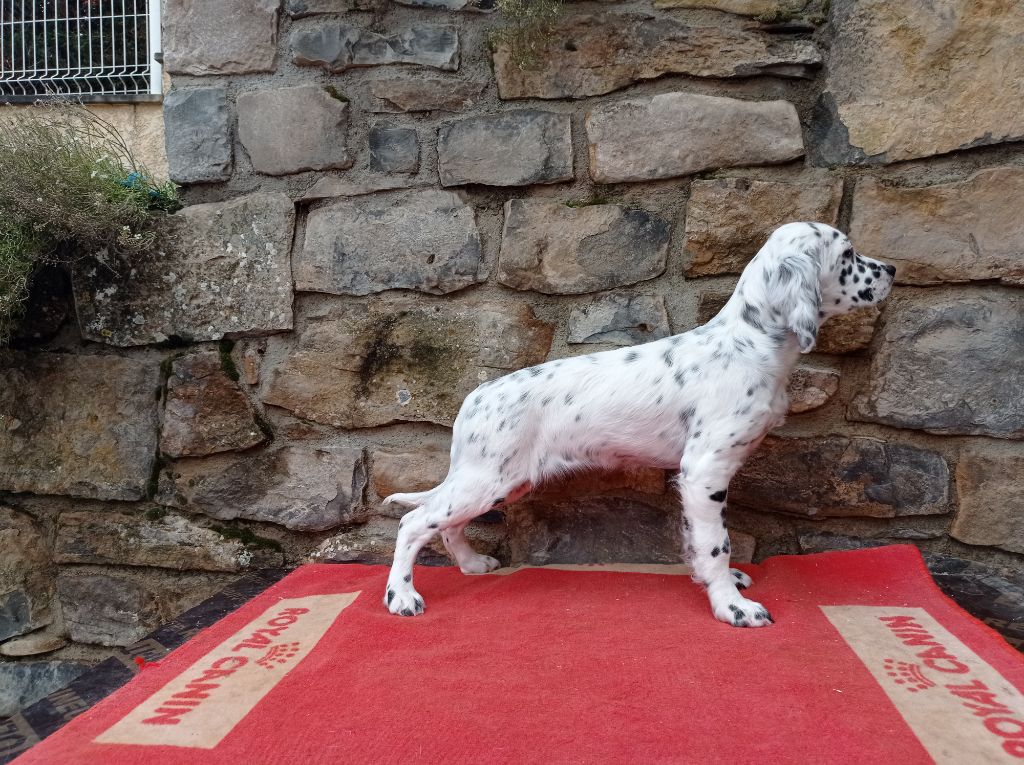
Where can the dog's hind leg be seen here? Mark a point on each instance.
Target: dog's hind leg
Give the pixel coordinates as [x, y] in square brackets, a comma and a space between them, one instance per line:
[468, 559]
[415, 530]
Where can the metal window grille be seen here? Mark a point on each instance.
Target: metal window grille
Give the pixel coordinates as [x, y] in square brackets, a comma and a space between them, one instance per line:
[91, 49]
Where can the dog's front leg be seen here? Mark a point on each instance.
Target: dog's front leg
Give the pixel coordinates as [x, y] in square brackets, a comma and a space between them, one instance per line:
[704, 487]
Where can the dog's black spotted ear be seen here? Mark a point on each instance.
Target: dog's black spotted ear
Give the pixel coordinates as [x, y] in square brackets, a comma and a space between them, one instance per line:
[802, 299]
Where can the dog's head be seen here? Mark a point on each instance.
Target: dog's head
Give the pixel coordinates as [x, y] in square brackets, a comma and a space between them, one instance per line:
[808, 272]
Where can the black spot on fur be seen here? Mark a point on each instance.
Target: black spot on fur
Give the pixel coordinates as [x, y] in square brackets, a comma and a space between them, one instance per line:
[680, 378]
[523, 397]
[752, 316]
[391, 595]
[866, 294]
[407, 578]
[719, 496]
[667, 357]
[632, 356]
[835, 234]
[498, 501]
[568, 399]
[545, 401]
[432, 526]
[715, 552]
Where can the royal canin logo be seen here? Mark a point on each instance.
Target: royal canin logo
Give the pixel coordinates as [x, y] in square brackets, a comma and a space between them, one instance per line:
[943, 665]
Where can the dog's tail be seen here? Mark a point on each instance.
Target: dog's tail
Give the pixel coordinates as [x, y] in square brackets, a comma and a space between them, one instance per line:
[411, 499]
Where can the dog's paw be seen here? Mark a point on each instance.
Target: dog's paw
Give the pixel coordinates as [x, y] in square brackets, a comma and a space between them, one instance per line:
[479, 564]
[742, 580]
[403, 601]
[743, 613]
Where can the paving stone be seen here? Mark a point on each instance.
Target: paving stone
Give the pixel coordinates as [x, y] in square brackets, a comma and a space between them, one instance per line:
[425, 94]
[290, 130]
[837, 476]
[226, 37]
[222, 269]
[949, 362]
[729, 219]
[550, 247]
[514, 148]
[337, 46]
[620, 320]
[990, 490]
[394, 149]
[672, 134]
[588, 55]
[26, 581]
[83, 426]
[197, 135]
[205, 410]
[930, 79]
[152, 539]
[303, 488]
[950, 232]
[24, 683]
[359, 365]
[427, 241]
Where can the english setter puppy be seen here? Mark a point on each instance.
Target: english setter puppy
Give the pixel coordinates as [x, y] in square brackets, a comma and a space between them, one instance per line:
[699, 402]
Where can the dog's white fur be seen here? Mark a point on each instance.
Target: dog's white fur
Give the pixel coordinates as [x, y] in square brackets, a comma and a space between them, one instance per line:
[701, 402]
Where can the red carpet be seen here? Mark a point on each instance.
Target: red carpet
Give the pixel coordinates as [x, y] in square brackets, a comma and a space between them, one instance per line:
[867, 662]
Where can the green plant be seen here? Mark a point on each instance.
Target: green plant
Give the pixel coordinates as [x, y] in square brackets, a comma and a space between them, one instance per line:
[529, 27]
[69, 186]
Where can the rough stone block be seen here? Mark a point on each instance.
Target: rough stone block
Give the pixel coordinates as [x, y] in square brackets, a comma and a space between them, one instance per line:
[425, 94]
[588, 55]
[480, 6]
[34, 644]
[83, 426]
[300, 9]
[549, 247]
[26, 583]
[223, 269]
[949, 232]
[205, 410]
[835, 476]
[359, 366]
[515, 148]
[990, 489]
[289, 130]
[620, 320]
[592, 530]
[769, 8]
[225, 37]
[337, 46]
[105, 609]
[300, 487]
[954, 67]
[949, 363]
[428, 241]
[394, 149]
[729, 219]
[811, 388]
[331, 186]
[197, 135]
[408, 471]
[672, 134]
[165, 541]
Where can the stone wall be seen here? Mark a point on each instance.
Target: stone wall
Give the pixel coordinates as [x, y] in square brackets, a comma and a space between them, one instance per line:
[385, 212]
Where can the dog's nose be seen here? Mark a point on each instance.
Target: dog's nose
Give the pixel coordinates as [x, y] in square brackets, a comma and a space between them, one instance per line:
[891, 270]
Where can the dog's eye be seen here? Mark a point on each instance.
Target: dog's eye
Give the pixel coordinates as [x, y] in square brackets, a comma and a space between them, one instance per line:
[848, 252]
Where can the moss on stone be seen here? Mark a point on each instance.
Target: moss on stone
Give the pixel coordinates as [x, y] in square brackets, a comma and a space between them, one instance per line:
[333, 93]
[247, 537]
[227, 363]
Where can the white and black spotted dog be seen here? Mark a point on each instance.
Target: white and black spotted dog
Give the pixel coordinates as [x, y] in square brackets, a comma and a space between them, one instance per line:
[701, 402]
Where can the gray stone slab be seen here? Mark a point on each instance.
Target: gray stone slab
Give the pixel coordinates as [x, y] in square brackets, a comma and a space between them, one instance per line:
[24, 683]
[549, 247]
[620, 320]
[514, 148]
[425, 94]
[197, 135]
[949, 362]
[106, 609]
[337, 46]
[394, 149]
[427, 241]
[224, 37]
[990, 490]
[289, 130]
[223, 268]
[300, 487]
